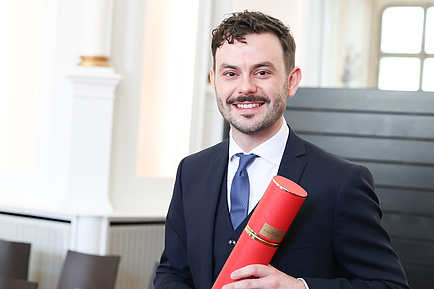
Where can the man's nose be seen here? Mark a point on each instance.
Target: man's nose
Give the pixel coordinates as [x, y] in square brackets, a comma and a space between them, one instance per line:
[246, 86]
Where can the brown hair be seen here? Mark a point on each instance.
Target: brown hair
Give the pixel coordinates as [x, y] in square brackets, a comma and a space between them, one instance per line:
[240, 24]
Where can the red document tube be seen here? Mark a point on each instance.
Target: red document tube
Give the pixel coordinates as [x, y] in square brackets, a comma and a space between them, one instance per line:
[266, 228]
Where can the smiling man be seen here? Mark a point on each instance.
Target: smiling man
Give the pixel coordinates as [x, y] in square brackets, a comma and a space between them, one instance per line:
[252, 86]
[336, 240]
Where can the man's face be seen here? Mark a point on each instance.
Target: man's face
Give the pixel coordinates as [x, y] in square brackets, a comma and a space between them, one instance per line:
[250, 83]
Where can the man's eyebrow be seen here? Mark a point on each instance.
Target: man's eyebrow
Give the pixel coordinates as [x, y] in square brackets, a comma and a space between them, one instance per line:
[264, 64]
[227, 66]
[258, 65]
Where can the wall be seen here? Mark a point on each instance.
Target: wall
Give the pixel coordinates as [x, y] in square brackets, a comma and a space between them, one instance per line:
[55, 55]
[391, 133]
[45, 183]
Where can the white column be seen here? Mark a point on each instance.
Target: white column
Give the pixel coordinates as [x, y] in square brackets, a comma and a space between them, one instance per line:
[93, 86]
[89, 234]
[93, 93]
[96, 32]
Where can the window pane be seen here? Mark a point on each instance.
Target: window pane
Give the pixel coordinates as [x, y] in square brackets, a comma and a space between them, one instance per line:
[399, 73]
[402, 30]
[159, 158]
[428, 75]
[429, 32]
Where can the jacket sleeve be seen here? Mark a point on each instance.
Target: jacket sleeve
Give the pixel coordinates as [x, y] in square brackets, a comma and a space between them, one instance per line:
[173, 270]
[360, 243]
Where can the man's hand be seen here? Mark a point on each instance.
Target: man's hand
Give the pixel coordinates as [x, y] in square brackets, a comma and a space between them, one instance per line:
[263, 277]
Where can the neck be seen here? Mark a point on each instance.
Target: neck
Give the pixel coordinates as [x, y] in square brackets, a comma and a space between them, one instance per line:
[249, 142]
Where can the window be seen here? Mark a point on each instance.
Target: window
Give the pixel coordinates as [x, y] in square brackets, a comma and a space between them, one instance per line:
[167, 87]
[407, 49]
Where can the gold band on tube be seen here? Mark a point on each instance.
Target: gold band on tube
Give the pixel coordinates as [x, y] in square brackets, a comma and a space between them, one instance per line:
[256, 237]
[286, 190]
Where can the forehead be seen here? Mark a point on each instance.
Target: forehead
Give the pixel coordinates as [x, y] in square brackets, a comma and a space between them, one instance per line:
[264, 47]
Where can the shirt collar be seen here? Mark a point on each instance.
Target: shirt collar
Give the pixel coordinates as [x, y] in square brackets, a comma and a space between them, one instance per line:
[271, 150]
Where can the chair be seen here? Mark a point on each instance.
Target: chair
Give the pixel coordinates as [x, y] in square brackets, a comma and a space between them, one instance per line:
[14, 259]
[87, 271]
[12, 283]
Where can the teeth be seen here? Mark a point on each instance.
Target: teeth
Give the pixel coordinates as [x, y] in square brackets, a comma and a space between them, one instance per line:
[250, 105]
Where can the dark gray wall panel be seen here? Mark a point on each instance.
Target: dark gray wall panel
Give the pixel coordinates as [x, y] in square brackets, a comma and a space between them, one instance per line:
[392, 133]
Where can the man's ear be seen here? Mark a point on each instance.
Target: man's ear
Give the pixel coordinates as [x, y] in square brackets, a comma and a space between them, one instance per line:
[294, 81]
[211, 78]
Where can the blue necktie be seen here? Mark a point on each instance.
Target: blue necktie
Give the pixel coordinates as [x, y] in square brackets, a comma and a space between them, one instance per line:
[240, 190]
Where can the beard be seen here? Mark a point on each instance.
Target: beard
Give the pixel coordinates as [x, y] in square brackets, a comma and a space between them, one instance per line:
[246, 123]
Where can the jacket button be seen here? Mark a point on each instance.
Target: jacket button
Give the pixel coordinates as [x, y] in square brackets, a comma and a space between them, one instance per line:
[232, 243]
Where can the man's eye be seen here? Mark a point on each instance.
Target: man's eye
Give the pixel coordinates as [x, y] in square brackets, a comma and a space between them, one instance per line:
[230, 73]
[263, 73]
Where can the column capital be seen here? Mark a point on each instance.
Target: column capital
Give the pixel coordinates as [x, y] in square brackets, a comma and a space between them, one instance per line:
[87, 60]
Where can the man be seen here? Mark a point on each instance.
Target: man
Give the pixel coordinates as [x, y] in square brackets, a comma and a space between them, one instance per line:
[336, 239]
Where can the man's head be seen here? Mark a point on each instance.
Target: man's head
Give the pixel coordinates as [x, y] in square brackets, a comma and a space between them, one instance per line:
[252, 76]
[240, 24]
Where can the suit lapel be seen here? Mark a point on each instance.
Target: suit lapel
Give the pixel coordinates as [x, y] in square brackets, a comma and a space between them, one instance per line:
[294, 158]
[214, 180]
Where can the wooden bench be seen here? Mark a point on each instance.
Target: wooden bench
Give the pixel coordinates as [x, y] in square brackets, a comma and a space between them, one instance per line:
[392, 133]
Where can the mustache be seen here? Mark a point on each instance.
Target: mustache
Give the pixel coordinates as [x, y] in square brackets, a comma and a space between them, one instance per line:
[247, 98]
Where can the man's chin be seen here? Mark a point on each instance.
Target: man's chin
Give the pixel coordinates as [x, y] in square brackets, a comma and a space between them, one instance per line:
[251, 130]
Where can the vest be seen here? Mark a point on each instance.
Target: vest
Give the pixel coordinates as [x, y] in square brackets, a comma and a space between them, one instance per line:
[224, 235]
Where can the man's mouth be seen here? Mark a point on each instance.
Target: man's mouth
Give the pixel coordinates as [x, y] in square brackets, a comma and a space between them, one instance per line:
[247, 105]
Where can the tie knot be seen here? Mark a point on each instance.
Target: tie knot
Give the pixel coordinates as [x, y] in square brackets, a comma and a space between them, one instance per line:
[245, 160]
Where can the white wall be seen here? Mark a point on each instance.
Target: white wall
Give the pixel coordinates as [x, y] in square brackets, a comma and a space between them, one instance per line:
[55, 26]
[49, 35]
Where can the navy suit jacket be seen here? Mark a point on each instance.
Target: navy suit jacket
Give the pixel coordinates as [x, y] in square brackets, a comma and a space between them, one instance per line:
[335, 241]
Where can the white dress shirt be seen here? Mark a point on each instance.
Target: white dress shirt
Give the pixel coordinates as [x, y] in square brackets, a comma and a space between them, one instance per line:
[263, 168]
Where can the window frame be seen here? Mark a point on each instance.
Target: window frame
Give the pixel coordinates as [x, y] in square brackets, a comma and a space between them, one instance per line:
[377, 54]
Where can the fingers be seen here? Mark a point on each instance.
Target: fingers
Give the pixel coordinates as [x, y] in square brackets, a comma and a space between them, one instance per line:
[249, 271]
[250, 284]
[262, 277]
